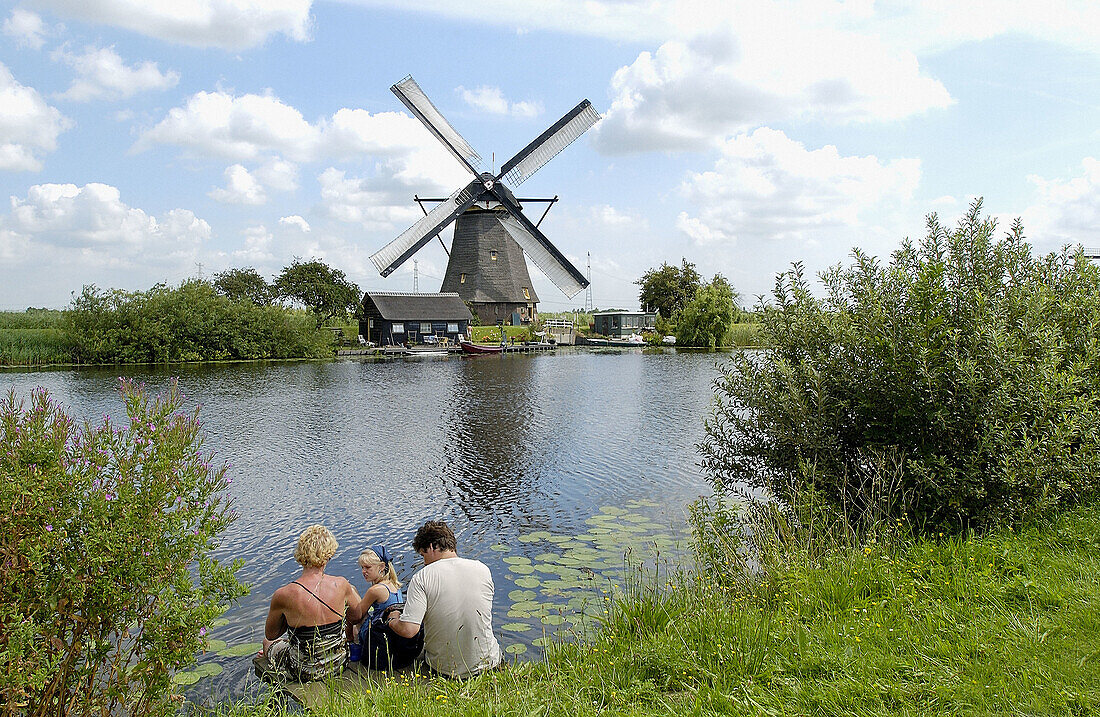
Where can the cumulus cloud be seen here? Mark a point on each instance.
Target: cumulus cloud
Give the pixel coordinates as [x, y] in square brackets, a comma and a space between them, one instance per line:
[228, 24]
[26, 28]
[254, 127]
[376, 203]
[1066, 211]
[767, 187]
[295, 221]
[28, 126]
[69, 236]
[688, 95]
[492, 101]
[102, 75]
[240, 188]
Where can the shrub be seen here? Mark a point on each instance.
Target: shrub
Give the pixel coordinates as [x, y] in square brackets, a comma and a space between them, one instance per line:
[191, 322]
[966, 363]
[105, 541]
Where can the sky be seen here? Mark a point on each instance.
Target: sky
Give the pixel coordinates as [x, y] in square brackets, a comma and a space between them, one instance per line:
[149, 141]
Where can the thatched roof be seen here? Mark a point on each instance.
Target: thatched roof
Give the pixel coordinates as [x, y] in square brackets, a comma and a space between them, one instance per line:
[404, 306]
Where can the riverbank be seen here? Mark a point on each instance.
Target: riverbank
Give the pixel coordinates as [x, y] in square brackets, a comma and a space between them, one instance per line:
[1002, 623]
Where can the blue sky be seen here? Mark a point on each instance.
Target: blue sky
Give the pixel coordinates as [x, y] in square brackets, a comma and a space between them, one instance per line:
[145, 141]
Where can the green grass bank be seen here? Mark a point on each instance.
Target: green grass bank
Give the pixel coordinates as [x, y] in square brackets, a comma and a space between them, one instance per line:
[1005, 623]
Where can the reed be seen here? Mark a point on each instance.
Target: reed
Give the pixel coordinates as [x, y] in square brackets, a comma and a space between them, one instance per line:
[34, 347]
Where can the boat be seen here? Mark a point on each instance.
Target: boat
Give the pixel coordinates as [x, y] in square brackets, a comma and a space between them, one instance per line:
[472, 348]
[428, 350]
[634, 340]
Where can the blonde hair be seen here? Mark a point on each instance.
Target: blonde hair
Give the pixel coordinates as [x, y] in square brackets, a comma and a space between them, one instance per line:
[369, 557]
[316, 546]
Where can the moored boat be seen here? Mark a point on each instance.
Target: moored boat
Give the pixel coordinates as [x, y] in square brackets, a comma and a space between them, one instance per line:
[472, 348]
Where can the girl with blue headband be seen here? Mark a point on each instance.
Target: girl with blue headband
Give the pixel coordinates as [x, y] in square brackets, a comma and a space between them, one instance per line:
[379, 647]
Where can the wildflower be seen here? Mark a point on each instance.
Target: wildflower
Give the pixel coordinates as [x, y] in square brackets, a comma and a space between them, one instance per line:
[49, 528]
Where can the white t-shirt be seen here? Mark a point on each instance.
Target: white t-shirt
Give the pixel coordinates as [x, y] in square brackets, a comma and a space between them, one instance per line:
[453, 599]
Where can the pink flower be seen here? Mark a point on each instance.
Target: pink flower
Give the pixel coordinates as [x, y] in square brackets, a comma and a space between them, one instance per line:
[49, 528]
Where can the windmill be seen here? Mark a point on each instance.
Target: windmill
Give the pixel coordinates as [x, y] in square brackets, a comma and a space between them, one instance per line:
[486, 265]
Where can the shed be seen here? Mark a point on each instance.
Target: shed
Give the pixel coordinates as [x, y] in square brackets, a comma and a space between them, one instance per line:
[393, 317]
[617, 324]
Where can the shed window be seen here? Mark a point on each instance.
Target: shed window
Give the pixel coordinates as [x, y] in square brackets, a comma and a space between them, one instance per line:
[452, 328]
[461, 278]
[398, 328]
[425, 327]
[493, 254]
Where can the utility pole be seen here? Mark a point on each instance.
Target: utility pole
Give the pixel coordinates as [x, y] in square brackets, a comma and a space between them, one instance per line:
[588, 291]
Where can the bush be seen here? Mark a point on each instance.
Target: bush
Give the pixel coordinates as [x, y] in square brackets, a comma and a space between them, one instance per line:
[105, 537]
[959, 382]
[191, 322]
[707, 320]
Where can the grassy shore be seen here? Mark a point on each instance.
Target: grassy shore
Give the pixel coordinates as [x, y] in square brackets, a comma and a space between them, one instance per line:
[1006, 623]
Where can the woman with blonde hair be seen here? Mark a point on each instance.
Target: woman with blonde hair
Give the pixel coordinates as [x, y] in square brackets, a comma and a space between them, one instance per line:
[378, 646]
[304, 631]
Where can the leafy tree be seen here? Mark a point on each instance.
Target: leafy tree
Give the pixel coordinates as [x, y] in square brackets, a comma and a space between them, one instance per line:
[707, 320]
[323, 290]
[958, 385]
[244, 285]
[106, 542]
[668, 289]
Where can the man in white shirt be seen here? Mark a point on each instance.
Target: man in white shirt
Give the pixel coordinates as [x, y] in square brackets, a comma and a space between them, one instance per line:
[452, 598]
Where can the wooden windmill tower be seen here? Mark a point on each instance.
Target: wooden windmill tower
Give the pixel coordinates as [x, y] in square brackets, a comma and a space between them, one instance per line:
[486, 264]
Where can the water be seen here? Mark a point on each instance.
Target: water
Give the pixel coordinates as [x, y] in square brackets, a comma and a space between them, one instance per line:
[548, 467]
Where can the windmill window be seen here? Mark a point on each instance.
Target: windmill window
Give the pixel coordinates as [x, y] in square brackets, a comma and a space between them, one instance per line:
[526, 293]
[493, 254]
[461, 278]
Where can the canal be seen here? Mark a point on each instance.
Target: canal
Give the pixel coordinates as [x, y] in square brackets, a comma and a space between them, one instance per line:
[556, 470]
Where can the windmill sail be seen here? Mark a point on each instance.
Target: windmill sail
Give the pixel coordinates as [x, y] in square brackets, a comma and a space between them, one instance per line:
[544, 254]
[412, 239]
[560, 135]
[418, 103]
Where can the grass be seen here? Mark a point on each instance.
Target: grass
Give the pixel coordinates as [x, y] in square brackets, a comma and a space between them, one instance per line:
[746, 335]
[33, 346]
[1006, 623]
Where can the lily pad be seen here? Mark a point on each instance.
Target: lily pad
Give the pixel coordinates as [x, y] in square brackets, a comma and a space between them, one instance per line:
[518, 595]
[215, 645]
[529, 538]
[552, 619]
[542, 641]
[528, 582]
[523, 569]
[516, 626]
[547, 557]
[516, 560]
[500, 548]
[613, 510]
[220, 622]
[250, 648]
[188, 677]
[558, 539]
[516, 649]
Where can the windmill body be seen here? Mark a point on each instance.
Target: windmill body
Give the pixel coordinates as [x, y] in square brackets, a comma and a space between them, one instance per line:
[487, 267]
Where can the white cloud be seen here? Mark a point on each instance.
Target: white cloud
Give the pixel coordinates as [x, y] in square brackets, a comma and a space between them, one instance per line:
[242, 128]
[257, 249]
[492, 101]
[375, 203]
[609, 216]
[28, 126]
[254, 127]
[688, 95]
[240, 188]
[1066, 211]
[26, 28]
[228, 24]
[102, 75]
[295, 221]
[278, 174]
[68, 236]
[767, 187]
